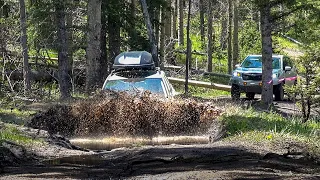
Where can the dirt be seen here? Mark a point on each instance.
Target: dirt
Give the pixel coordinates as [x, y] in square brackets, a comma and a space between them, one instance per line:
[220, 160]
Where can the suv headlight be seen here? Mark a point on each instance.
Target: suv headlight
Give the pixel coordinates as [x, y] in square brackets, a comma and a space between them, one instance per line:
[274, 76]
[236, 74]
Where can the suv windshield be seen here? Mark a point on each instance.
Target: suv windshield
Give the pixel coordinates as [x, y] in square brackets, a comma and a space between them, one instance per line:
[154, 85]
[256, 62]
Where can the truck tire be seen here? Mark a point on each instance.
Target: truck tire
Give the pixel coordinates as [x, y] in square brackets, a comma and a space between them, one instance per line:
[279, 92]
[235, 92]
[250, 95]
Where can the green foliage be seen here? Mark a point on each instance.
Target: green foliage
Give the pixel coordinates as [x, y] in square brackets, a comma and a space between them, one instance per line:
[249, 39]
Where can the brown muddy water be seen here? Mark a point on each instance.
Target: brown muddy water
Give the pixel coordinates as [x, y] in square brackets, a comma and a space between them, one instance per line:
[109, 143]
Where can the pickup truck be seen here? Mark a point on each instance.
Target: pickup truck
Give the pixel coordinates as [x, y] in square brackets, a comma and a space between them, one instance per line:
[247, 77]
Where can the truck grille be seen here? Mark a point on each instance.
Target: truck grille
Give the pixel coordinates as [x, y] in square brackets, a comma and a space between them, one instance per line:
[252, 76]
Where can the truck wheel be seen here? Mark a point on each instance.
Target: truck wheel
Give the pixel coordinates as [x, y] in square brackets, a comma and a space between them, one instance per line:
[235, 92]
[279, 92]
[250, 95]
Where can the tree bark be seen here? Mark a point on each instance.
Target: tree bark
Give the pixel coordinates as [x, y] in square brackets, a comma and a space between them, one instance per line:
[26, 68]
[235, 33]
[181, 16]
[202, 31]
[209, 48]
[63, 63]
[186, 86]
[93, 77]
[153, 45]
[230, 36]
[266, 30]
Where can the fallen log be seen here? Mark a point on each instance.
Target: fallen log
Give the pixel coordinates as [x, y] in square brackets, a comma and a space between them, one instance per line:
[201, 84]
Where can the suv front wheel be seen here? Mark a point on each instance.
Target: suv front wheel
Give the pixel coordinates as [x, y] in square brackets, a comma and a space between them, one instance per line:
[279, 92]
[235, 92]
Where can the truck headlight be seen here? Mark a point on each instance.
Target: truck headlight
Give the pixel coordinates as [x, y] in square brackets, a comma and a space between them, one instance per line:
[236, 74]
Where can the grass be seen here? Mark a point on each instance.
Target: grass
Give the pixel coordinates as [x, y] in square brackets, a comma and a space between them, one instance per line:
[11, 133]
[15, 115]
[202, 92]
[271, 128]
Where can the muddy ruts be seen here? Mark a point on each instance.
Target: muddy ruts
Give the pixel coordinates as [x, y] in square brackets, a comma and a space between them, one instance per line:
[121, 114]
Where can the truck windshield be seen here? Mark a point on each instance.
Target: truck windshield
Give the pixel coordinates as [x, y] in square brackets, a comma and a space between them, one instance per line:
[256, 62]
[154, 85]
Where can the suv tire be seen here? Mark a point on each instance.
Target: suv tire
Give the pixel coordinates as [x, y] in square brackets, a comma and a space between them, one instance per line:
[279, 92]
[235, 92]
[250, 95]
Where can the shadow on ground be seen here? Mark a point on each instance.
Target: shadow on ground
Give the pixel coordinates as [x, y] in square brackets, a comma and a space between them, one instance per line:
[171, 162]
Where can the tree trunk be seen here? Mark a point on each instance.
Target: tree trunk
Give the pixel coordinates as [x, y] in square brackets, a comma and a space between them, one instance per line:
[181, 16]
[132, 30]
[63, 63]
[224, 30]
[174, 19]
[26, 68]
[69, 16]
[162, 36]
[266, 29]
[235, 33]
[93, 77]
[209, 48]
[230, 36]
[114, 32]
[153, 45]
[202, 31]
[103, 42]
[186, 86]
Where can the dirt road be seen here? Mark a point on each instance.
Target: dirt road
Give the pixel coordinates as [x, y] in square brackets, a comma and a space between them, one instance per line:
[219, 160]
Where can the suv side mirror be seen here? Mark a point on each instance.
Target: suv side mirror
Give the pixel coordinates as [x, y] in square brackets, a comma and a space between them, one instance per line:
[287, 68]
[237, 65]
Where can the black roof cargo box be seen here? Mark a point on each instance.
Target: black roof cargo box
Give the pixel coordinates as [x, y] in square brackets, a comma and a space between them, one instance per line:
[134, 60]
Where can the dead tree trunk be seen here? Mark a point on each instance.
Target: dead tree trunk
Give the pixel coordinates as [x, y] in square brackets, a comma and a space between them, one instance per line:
[26, 68]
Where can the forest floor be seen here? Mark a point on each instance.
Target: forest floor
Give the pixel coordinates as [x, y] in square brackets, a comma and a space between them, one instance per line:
[223, 159]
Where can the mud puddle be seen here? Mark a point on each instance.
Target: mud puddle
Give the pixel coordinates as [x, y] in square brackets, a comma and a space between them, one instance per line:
[109, 143]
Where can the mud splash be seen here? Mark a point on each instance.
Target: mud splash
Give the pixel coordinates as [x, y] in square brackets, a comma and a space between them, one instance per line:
[122, 115]
[109, 143]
